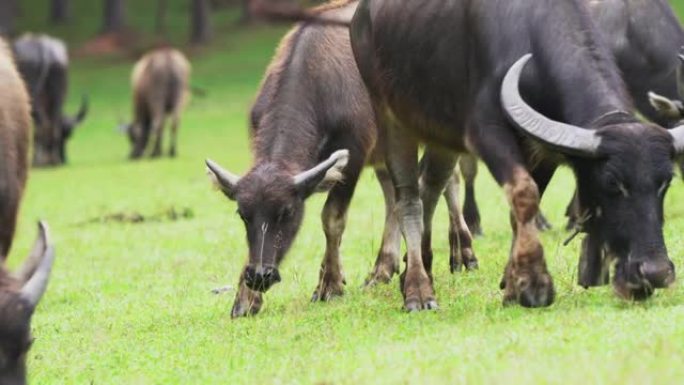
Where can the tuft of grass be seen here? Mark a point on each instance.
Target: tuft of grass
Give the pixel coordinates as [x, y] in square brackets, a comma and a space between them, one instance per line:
[130, 303]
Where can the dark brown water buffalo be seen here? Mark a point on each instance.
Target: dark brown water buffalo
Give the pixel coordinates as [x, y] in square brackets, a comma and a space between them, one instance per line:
[313, 129]
[645, 38]
[19, 292]
[525, 85]
[43, 62]
[160, 83]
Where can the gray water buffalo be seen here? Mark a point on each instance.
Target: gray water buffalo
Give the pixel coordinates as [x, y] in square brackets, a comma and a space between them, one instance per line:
[645, 38]
[160, 83]
[526, 86]
[19, 292]
[313, 129]
[43, 62]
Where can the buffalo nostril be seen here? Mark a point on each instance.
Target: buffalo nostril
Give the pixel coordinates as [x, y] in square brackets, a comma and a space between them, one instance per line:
[659, 274]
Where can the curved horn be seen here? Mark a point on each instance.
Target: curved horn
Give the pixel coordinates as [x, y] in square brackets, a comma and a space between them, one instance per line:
[83, 110]
[677, 134]
[567, 138]
[325, 174]
[35, 287]
[35, 257]
[222, 178]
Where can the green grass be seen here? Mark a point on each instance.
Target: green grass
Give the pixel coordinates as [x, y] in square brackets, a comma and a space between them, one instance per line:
[131, 303]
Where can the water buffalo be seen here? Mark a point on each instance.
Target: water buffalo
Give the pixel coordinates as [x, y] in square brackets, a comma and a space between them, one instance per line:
[526, 86]
[644, 37]
[43, 62]
[19, 292]
[313, 129]
[160, 83]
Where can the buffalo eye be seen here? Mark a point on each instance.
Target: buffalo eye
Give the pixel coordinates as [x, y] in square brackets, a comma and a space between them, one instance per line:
[616, 187]
[285, 213]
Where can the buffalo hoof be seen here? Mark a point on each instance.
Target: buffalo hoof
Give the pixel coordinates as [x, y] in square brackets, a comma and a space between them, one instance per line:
[247, 303]
[467, 258]
[529, 290]
[418, 293]
[385, 268]
[172, 153]
[328, 289]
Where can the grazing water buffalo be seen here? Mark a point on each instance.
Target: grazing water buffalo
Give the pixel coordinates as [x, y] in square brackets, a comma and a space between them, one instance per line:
[645, 38]
[160, 82]
[20, 292]
[313, 129]
[44, 64]
[460, 73]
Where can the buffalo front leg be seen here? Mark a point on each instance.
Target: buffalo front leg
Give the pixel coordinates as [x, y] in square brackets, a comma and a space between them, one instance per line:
[334, 217]
[387, 262]
[526, 279]
[247, 301]
[460, 238]
[402, 163]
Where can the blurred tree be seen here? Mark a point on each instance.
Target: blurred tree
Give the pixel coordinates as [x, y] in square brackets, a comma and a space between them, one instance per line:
[114, 16]
[60, 11]
[9, 9]
[200, 23]
[160, 25]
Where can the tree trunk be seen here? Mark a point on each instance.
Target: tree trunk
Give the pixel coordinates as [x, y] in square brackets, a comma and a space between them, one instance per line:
[160, 25]
[60, 11]
[8, 14]
[200, 25]
[114, 16]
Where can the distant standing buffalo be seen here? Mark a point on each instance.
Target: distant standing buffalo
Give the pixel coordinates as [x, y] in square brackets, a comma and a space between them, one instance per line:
[19, 292]
[44, 64]
[160, 84]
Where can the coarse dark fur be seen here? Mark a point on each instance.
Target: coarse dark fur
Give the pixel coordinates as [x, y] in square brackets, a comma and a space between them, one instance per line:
[313, 103]
[436, 68]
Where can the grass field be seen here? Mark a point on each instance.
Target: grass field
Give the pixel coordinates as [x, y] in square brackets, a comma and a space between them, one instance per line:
[131, 303]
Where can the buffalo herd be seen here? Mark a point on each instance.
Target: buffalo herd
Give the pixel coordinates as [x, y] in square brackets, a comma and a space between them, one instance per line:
[524, 86]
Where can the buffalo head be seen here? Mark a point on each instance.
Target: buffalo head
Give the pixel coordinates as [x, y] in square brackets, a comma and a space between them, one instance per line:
[270, 200]
[19, 296]
[623, 172]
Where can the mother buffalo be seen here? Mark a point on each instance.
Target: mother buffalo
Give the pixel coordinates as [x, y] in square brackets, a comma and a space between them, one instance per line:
[526, 85]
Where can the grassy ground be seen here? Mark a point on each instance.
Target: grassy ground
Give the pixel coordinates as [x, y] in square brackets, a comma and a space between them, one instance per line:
[131, 303]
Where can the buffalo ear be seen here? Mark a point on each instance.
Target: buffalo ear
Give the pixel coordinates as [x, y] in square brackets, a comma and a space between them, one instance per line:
[667, 108]
[222, 178]
[323, 176]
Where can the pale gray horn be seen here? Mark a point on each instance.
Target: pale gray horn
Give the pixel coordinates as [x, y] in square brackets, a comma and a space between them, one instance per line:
[35, 287]
[677, 134]
[567, 138]
[35, 257]
[222, 178]
[328, 172]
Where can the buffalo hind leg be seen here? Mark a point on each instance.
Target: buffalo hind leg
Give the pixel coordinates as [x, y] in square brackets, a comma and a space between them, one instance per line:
[402, 163]
[175, 121]
[468, 167]
[157, 135]
[460, 238]
[387, 262]
[436, 168]
[247, 301]
[334, 217]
